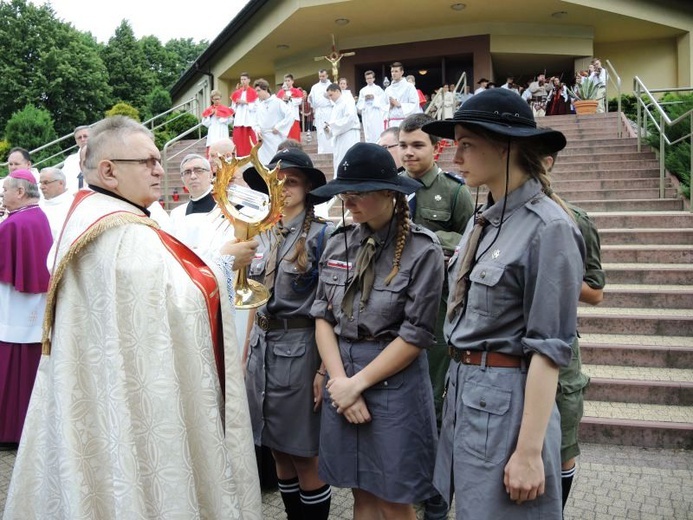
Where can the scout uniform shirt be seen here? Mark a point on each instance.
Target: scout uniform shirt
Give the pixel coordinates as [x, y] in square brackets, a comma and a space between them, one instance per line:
[443, 205]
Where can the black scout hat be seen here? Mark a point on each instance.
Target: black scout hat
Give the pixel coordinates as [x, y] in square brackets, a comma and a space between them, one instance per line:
[289, 158]
[367, 167]
[502, 112]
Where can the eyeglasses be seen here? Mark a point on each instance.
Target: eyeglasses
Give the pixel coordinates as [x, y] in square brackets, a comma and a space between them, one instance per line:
[388, 146]
[46, 183]
[197, 171]
[352, 196]
[151, 162]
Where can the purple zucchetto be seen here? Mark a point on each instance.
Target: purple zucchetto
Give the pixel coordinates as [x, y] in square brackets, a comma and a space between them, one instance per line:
[24, 175]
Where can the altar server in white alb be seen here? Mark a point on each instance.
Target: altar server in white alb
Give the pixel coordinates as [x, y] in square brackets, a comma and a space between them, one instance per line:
[274, 120]
[373, 106]
[322, 108]
[344, 126]
[139, 408]
[402, 96]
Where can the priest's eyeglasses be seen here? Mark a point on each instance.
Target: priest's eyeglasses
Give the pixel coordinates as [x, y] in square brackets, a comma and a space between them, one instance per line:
[151, 162]
[197, 171]
[46, 183]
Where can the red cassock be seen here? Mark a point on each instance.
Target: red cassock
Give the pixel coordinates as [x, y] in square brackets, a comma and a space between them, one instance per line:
[293, 93]
[243, 135]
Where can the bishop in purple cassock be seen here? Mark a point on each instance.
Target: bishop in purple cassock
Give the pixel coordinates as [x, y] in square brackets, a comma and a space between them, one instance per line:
[25, 239]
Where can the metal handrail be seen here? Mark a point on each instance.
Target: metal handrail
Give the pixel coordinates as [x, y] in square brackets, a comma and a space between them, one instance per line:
[617, 84]
[661, 125]
[189, 105]
[463, 80]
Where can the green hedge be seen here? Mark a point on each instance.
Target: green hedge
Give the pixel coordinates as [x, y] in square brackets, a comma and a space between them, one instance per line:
[678, 157]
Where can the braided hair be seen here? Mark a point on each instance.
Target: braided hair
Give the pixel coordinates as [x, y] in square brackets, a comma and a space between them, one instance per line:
[403, 227]
[300, 256]
[532, 160]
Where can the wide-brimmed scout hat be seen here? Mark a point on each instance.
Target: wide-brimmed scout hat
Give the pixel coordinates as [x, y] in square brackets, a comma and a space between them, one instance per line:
[502, 112]
[367, 167]
[289, 158]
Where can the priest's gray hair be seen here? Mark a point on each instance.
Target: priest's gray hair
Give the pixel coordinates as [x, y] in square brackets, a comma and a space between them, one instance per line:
[57, 173]
[192, 157]
[109, 135]
[30, 189]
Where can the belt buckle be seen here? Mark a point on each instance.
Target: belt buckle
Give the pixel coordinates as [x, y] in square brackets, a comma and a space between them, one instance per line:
[466, 357]
[262, 322]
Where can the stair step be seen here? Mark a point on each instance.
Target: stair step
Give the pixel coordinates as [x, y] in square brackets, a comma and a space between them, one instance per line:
[651, 204]
[606, 156]
[640, 219]
[666, 322]
[637, 355]
[634, 424]
[561, 185]
[599, 174]
[650, 254]
[578, 197]
[641, 273]
[680, 236]
[648, 296]
[637, 391]
[649, 374]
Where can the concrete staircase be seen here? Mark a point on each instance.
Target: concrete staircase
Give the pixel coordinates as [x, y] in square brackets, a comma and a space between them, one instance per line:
[637, 346]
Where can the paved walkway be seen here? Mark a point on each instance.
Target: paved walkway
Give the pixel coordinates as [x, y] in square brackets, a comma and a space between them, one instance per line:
[613, 483]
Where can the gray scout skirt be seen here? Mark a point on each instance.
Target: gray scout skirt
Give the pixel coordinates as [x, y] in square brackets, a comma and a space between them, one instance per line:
[392, 456]
[279, 382]
[481, 422]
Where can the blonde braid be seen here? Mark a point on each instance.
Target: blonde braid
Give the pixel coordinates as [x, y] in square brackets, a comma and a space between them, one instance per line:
[300, 256]
[532, 160]
[403, 227]
[545, 181]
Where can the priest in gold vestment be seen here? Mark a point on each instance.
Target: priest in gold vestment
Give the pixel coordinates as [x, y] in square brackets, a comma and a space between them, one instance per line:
[139, 407]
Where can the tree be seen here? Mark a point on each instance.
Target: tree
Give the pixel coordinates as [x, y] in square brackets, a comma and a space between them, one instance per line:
[123, 109]
[127, 66]
[186, 52]
[50, 64]
[158, 101]
[30, 128]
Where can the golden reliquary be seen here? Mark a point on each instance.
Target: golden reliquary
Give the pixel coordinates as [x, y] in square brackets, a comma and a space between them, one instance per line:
[250, 212]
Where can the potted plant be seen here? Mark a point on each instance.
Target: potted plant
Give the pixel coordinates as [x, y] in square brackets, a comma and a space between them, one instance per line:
[584, 96]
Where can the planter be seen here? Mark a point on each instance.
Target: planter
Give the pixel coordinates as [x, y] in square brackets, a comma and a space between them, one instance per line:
[586, 106]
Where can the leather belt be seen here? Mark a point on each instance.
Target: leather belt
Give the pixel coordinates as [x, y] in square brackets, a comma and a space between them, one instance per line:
[493, 359]
[266, 323]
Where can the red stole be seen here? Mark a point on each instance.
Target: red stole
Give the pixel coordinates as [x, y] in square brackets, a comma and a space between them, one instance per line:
[203, 277]
[217, 110]
[293, 93]
[250, 95]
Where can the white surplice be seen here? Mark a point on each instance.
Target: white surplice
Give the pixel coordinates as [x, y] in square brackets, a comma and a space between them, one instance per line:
[373, 112]
[407, 96]
[345, 128]
[56, 211]
[127, 418]
[272, 114]
[322, 108]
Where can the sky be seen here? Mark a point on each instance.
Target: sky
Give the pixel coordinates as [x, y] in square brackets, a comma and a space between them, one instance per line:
[165, 20]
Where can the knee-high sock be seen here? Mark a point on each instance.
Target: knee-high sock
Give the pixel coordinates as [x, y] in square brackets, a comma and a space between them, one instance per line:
[566, 482]
[291, 496]
[316, 503]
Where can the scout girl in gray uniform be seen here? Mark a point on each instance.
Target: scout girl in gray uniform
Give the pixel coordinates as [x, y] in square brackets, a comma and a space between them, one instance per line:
[512, 314]
[375, 310]
[284, 379]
